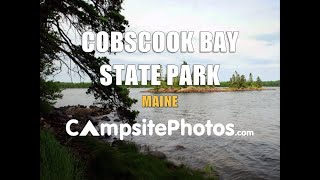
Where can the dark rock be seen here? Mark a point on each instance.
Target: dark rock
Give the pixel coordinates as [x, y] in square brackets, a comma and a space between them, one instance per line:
[95, 113]
[57, 112]
[92, 107]
[105, 118]
[117, 120]
[61, 114]
[106, 111]
[107, 136]
[69, 110]
[117, 143]
[76, 128]
[93, 118]
[171, 165]
[176, 163]
[179, 147]
[94, 122]
[157, 154]
[82, 112]
[46, 125]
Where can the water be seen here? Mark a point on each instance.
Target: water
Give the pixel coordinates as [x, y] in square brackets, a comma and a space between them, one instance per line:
[254, 157]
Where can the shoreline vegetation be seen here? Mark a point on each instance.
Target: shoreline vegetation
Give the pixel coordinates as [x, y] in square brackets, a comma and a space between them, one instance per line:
[105, 157]
[237, 83]
[194, 89]
[71, 85]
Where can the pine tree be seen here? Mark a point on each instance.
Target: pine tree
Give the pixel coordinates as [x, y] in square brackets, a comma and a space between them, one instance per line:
[242, 81]
[259, 82]
[237, 81]
[232, 81]
[250, 82]
[160, 71]
[176, 81]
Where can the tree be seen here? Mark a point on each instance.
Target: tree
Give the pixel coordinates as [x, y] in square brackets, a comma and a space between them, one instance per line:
[184, 63]
[238, 78]
[243, 82]
[160, 71]
[49, 93]
[176, 81]
[238, 81]
[259, 82]
[161, 79]
[60, 22]
[233, 81]
[250, 82]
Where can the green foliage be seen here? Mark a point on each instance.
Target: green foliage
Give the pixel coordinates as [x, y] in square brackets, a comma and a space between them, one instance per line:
[105, 162]
[250, 82]
[49, 93]
[225, 83]
[65, 85]
[56, 161]
[209, 170]
[175, 82]
[271, 83]
[56, 45]
[243, 82]
[259, 82]
[125, 162]
[239, 81]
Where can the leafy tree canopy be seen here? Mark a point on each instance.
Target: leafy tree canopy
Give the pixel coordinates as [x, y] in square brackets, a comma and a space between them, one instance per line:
[60, 21]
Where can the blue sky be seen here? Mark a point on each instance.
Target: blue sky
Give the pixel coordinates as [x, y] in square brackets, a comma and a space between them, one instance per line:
[258, 23]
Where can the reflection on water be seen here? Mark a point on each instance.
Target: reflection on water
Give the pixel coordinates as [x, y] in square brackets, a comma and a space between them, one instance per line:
[255, 157]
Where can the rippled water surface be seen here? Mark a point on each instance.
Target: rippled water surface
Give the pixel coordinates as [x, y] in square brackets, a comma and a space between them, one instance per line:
[255, 157]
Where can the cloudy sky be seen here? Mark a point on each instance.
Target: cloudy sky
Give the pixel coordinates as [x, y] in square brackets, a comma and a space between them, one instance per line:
[258, 23]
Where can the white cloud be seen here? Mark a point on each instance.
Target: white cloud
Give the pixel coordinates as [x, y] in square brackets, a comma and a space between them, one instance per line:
[250, 17]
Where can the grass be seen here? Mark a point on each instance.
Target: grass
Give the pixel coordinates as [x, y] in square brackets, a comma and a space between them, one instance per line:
[106, 162]
[56, 161]
[125, 162]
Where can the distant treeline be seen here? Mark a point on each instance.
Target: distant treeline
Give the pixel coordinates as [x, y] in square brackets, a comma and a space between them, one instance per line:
[65, 85]
[264, 84]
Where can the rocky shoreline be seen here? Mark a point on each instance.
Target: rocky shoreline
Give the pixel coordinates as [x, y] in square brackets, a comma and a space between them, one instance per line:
[56, 120]
[55, 123]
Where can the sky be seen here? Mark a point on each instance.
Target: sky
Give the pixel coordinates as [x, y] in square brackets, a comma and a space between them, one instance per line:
[258, 44]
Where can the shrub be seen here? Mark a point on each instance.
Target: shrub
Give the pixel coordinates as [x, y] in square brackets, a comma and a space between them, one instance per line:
[56, 161]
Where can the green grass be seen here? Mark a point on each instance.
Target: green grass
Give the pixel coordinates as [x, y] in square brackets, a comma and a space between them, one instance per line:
[106, 162]
[56, 161]
[126, 162]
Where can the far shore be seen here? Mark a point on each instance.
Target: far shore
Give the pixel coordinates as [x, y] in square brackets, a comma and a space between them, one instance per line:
[193, 89]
